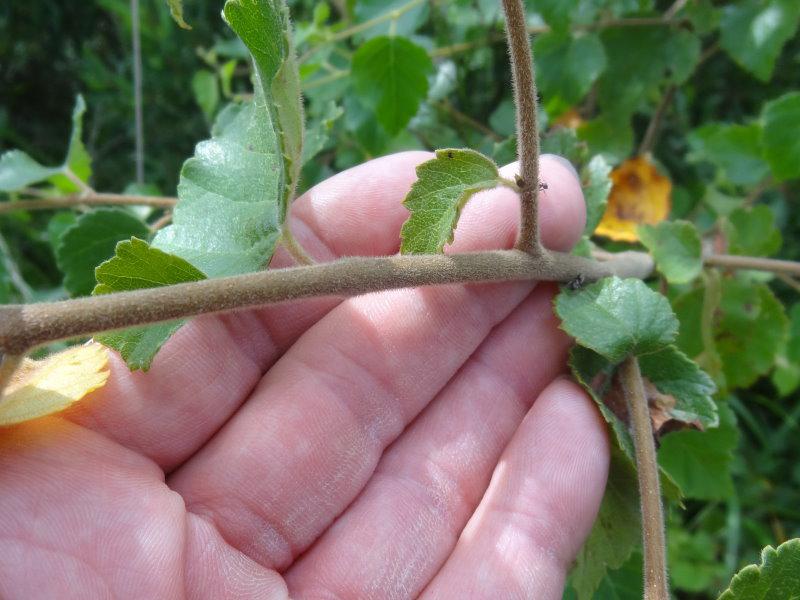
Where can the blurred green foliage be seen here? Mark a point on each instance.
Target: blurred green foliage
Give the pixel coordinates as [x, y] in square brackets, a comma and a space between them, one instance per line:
[708, 88]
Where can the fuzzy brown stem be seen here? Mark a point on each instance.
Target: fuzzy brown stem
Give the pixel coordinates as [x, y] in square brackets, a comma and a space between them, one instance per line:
[92, 199]
[26, 326]
[655, 552]
[519, 46]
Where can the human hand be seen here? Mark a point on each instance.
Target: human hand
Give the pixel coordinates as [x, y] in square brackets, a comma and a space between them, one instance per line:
[386, 446]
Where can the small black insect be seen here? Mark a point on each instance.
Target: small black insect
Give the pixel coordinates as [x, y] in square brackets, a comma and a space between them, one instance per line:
[449, 155]
[577, 283]
[542, 185]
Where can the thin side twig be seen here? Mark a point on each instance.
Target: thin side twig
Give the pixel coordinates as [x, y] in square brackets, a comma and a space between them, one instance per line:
[651, 134]
[654, 543]
[137, 92]
[93, 199]
[754, 263]
[527, 123]
[294, 247]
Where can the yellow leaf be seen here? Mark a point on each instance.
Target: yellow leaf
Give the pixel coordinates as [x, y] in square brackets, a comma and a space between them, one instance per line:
[640, 194]
[570, 119]
[42, 387]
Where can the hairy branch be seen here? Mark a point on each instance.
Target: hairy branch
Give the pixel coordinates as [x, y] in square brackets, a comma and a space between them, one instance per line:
[519, 46]
[23, 327]
[91, 199]
[654, 543]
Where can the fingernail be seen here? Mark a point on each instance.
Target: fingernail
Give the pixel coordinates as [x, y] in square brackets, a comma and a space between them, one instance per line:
[563, 161]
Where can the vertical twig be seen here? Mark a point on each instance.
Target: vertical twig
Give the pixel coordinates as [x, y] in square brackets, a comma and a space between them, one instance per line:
[8, 365]
[137, 91]
[13, 271]
[650, 136]
[673, 10]
[293, 246]
[655, 555]
[527, 126]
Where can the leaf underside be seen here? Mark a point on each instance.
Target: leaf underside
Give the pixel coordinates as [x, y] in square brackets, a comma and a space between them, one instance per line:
[443, 187]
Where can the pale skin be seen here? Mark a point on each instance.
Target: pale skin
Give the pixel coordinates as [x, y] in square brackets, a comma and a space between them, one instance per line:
[413, 443]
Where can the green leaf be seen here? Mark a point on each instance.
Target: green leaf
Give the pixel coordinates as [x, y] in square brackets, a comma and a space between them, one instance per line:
[556, 13]
[693, 562]
[90, 241]
[206, 92]
[781, 142]
[319, 131]
[18, 170]
[225, 117]
[137, 266]
[597, 376]
[752, 231]
[700, 461]
[443, 187]
[615, 533]
[610, 135]
[567, 67]
[596, 188]
[786, 376]
[735, 149]
[617, 317]
[564, 142]
[228, 216]
[625, 583]
[57, 225]
[639, 60]
[776, 578]
[176, 10]
[595, 373]
[676, 248]
[749, 332]
[233, 194]
[264, 27]
[749, 329]
[5, 285]
[78, 160]
[753, 32]
[675, 374]
[390, 74]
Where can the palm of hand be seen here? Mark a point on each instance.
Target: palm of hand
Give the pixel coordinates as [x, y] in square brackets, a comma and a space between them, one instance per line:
[380, 447]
